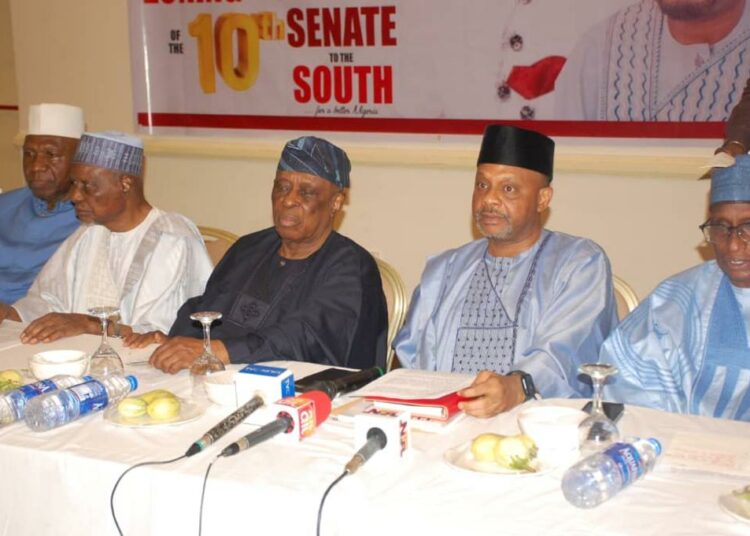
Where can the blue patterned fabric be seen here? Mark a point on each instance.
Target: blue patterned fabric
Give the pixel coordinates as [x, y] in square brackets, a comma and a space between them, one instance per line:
[29, 234]
[111, 150]
[568, 312]
[684, 349]
[732, 183]
[318, 157]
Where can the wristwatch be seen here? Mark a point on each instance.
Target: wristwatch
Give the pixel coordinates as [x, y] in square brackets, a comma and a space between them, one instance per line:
[527, 384]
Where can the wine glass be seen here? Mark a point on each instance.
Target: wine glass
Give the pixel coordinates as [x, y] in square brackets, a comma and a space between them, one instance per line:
[105, 360]
[206, 363]
[597, 431]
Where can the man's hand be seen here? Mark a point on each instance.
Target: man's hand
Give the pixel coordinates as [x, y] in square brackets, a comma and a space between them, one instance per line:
[492, 394]
[7, 312]
[177, 353]
[141, 340]
[53, 326]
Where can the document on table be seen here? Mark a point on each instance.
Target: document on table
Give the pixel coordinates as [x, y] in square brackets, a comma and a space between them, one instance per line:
[10, 334]
[411, 384]
[709, 453]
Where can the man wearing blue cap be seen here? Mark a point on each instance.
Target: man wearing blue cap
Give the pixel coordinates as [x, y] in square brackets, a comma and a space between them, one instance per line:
[685, 347]
[522, 307]
[129, 255]
[298, 290]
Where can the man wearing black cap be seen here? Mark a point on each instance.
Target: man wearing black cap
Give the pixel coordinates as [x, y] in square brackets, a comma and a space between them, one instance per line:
[298, 290]
[521, 308]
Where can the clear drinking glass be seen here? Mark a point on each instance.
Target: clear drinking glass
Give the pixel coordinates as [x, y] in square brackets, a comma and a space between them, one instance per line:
[105, 360]
[206, 363]
[597, 431]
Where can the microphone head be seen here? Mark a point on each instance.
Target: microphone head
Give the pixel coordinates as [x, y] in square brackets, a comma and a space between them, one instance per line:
[322, 405]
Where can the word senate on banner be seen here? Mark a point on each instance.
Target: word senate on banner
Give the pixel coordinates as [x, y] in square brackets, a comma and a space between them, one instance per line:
[569, 67]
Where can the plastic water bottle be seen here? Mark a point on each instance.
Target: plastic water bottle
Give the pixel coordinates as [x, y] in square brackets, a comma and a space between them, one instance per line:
[61, 407]
[598, 477]
[13, 403]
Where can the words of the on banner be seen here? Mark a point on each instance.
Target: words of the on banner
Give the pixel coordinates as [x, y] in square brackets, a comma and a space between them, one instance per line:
[231, 47]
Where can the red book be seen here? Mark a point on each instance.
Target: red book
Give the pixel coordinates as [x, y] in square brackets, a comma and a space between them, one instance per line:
[442, 408]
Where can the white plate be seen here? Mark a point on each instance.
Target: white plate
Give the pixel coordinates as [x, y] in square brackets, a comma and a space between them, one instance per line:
[189, 411]
[735, 507]
[461, 458]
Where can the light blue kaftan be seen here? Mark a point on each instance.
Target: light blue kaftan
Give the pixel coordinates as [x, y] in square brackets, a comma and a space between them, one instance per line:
[568, 311]
[684, 348]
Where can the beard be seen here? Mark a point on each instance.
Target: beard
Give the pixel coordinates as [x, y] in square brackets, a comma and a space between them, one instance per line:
[500, 235]
[688, 10]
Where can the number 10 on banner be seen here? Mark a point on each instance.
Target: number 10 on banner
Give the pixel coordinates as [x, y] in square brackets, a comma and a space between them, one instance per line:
[249, 29]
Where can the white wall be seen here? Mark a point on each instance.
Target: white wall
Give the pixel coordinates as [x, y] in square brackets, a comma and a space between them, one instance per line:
[10, 171]
[411, 198]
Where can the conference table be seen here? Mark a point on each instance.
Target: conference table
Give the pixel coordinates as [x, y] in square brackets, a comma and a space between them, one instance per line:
[59, 482]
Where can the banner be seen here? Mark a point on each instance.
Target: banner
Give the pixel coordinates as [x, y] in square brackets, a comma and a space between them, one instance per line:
[648, 68]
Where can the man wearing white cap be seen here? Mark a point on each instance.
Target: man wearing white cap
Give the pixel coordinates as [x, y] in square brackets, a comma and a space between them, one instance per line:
[133, 256]
[685, 347]
[34, 220]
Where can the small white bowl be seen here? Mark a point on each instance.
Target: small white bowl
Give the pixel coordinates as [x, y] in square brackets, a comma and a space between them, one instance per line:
[552, 427]
[220, 388]
[47, 364]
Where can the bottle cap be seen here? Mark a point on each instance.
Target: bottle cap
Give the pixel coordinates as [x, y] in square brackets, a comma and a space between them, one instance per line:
[657, 445]
[133, 382]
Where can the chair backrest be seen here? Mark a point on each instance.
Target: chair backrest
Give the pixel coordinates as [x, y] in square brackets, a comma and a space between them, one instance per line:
[217, 242]
[626, 298]
[395, 297]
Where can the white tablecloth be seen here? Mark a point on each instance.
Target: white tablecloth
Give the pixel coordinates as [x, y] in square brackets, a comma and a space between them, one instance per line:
[59, 482]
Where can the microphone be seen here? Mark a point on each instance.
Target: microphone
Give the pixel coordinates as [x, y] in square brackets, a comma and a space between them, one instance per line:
[229, 422]
[345, 384]
[298, 415]
[376, 441]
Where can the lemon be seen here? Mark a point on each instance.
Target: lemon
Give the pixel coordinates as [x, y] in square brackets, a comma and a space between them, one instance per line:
[11, 375]
[157, 393]
[131, 407]
[483, 447]
[164, 408]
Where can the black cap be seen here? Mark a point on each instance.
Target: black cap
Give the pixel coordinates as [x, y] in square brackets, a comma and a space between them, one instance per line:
[513, 146]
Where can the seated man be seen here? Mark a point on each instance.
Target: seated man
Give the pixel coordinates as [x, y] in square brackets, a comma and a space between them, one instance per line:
[134, 256]
[685, 347]
[298, 290]
[523, 307]
[36, 219]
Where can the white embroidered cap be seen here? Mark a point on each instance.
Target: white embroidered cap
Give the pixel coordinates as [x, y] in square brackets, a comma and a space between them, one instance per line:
[56, 120]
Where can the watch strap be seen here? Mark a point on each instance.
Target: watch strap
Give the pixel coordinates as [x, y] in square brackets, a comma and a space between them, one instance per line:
[527, 384]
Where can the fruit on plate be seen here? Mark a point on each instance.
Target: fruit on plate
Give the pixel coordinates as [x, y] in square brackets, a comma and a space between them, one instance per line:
[483, 447]
[742, 494]
[164, 408]
[10, 379]
[132, 407]
[516, 452]
[11, 375]
[157, 393]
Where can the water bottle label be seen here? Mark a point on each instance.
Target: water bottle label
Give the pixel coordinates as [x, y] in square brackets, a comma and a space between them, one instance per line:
[23, 394]
[92, 396]
[628, 461]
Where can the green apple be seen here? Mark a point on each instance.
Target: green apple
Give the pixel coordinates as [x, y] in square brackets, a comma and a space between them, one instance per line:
[483, 447]
[164, 408]
[516, 452]
[11, 375]
[131, 407]
[157, 393]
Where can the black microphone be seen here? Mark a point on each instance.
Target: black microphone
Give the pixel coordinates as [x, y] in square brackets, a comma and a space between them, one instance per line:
[225, 425]
[300, 415]
[345, 384]
[376, 440]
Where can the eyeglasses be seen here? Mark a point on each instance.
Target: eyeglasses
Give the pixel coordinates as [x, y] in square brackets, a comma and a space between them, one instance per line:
[717, 233]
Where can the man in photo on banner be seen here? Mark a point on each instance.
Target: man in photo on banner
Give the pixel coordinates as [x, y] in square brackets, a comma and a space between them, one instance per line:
[523, 307]
[295, 291]
[35, 219]
[685, 347]
[130, 255]
[659, 60]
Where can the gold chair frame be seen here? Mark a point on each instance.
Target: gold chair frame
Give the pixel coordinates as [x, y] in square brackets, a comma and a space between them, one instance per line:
[396, 307]
[626, 294]
[217, 241]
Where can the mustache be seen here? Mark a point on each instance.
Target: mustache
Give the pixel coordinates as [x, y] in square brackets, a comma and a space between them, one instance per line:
[490, 212]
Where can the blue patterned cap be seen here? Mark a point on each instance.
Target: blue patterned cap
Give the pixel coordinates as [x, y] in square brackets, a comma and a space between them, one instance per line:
[111, 150]
[732, 184]
[318, 157]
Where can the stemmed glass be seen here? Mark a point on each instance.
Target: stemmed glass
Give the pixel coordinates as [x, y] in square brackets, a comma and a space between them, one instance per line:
[597, 431]
[206, 363]
[105, 360]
